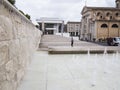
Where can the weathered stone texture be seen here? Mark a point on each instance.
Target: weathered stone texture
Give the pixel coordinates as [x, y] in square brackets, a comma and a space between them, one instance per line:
[3, 53]
[5, 28]
[2, 74]
[18, 40]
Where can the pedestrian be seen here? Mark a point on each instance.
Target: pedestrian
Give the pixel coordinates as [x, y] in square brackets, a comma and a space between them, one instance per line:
[72, 41]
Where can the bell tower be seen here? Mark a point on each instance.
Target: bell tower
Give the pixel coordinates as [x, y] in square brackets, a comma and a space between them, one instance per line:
[117, 4]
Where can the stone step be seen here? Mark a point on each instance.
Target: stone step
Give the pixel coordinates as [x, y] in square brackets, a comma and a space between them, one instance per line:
[55, 38]
[83, 50]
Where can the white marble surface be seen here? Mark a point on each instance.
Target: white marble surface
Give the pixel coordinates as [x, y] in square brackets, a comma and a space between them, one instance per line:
[72, 72]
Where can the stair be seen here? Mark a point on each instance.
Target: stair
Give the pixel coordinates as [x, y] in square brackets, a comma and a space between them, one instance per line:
[57, 40]
[54, 40]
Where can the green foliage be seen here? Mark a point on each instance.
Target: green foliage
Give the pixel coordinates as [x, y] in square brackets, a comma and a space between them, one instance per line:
[22, 12]
[12, 2]
[28, 16]
[37, 26]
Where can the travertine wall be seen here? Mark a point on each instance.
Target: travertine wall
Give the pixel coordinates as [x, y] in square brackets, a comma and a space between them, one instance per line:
[18, 40]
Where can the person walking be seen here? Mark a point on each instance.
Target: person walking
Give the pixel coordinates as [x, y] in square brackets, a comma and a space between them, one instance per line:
[72, 42]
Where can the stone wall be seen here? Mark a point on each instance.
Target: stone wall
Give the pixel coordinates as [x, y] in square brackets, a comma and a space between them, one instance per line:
[18, 40]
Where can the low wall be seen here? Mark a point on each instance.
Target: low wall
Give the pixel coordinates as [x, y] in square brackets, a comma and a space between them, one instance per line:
[19, 38]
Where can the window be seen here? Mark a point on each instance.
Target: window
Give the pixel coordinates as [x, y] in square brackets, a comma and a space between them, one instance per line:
[110, 17]
[72, 33]
[117, 14]
[71, 28]
[117, 5]
[108, 14]
[104, 26]
[98, 14]
[76, 33]
[114, 26]
[101, 17]
[85, 31]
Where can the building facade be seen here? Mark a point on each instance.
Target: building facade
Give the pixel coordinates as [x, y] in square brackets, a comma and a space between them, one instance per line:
[100, 22]
[50, 25]
[73, 28]
[117, 4]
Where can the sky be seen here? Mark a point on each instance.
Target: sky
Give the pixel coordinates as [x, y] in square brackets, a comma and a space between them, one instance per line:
[67, 10]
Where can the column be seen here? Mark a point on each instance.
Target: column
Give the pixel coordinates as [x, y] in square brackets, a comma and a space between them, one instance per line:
[57, 28]
[62, 28]
[43, 27]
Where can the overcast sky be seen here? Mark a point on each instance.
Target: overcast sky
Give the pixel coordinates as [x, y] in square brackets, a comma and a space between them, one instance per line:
[68, 10]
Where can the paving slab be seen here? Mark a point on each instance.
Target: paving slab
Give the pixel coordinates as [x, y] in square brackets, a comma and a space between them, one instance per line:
[72, 72]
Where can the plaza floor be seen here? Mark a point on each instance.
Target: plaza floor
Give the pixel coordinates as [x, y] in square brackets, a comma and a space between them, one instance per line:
[72, 72]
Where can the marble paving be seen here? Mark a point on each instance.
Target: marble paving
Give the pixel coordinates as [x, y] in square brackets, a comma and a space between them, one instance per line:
[72, 72]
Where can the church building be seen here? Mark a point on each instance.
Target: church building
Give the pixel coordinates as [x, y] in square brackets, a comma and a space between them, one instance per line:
[100, 22]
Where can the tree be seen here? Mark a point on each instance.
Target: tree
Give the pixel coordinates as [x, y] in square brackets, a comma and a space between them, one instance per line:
[12, 2]
[37, 26]
[28, 16]
[22, 12]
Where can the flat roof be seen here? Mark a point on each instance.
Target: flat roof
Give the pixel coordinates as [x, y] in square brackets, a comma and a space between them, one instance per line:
[73, 22]
[49, 20]
[104, 8]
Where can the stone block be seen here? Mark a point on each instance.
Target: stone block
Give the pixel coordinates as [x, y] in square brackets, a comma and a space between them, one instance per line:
[18, 39]
[6, 85]
[14, 53]
[16, 26]
[5, 28]
[1, 8]
[3, 53]
[14, 49]
[24, 57]
[20, 74]
[10, 72]
[2, 74]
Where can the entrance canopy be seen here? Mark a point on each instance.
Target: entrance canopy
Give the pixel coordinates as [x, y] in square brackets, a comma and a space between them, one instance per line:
[54, 24]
